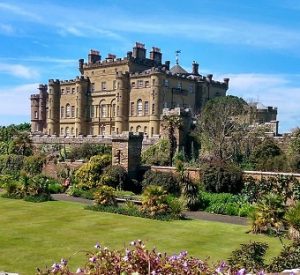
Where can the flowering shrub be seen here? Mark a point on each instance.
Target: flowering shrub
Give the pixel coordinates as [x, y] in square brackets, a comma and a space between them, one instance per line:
[137, 260]
[105, 196]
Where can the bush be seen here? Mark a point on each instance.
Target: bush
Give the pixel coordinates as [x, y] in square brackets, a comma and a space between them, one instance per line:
[221, 177]
[87, 150]
[250, 256]
[11, 164]
[292, 217]
[33, 164]
[289, 258]
[166, 180]
[115, 176]
[105, 196]
[224, 203]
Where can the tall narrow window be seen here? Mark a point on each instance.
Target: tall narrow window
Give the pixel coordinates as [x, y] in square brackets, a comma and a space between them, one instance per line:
[72, 131]
[62, 111]
[132, 108]
[92, 87]
[139, 107]
[68, 110]
[113, 110]
[138, 128]
[114, 84]
[153, 109]
[73, 111]
[145, 130]
[140, 83]
[146, 108]
[103, 110]
[92, 111]
[67, 131]
[35, 114]
[103, 86]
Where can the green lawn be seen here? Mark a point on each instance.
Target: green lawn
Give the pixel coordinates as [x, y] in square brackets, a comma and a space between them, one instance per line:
[34, 235]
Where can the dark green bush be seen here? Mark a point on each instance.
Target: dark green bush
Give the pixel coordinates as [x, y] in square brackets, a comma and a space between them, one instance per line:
[11, 164]
[219, 177]
[38, 198]
[157, 154]
[288, 258]
[87, 150]
[249, 256]
[166, 180]
[115, 176]
[33, 164]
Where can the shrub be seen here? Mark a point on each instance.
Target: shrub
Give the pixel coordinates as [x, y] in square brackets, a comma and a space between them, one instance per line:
[115, 176]
[219, 177]
[249, 256]
[87, 150]
[190, 193]
[105, 196]
[166, 180]
[11, 164]
[288, 258]
[292, 217]
[33, 164]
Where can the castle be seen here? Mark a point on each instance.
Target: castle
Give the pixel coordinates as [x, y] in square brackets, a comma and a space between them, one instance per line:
[113, 95]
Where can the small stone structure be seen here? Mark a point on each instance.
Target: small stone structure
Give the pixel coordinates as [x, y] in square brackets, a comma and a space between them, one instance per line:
[126, 151]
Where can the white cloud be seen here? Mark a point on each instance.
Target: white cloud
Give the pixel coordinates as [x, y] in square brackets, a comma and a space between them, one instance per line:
[18, 70]
[271, 90]
[15, 100]
[19, 10]
[6, 29]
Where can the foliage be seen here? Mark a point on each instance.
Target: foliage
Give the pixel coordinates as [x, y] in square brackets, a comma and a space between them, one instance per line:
[289, 258]
[154, 200]
[249, 256]
[268, 214]
[137, 260]
[21, 144]
[220, 177]
[166, 180]
[89, 174]
[157, 154]
[87, 150]
[115, 176]
[287, 186]
[190, 193]
[292, 216]
[33, 164]
[11, 164]
[105, 196]
[220, 135]
[224, 203]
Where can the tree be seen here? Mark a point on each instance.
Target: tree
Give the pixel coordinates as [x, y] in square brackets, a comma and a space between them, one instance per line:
[221, 126]
[22, 144]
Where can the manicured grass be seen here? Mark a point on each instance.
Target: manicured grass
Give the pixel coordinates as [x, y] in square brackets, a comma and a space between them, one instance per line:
[34, 235]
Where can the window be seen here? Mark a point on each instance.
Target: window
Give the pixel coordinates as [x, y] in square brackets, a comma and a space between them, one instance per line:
[68, 110]
[153, 109]
[131, 129]
[152, 131]
[103, 110]
[132, 108]
[140, 84]
[62, 111]
[138, 128]
[146, 108]
[73, 90]
[72, 131]
[68, 89]
[139, 107]
[166, 83]
[102, 130]
[73, 111]
[92, 111]
[118, 110]
[61, 131]
[147, 84]
[179, 85]
[67, 131]
[145, 130]
[114, 110]
[153, 82]
[35, 114]
[114, 84]
[103, 86]
[133, 85]
[191, 88]
[62, 91]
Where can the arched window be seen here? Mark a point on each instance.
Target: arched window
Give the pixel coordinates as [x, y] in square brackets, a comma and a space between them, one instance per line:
[131, 129]
[68, 110]
[62, 111]
[103, 109]
[139, 107]
[67, 131]
[145, 130]
[138, 128]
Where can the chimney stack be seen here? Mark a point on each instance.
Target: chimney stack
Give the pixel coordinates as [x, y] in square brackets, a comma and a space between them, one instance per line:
[139, 51]
[156, 55]
[94, 56]
[195, 68]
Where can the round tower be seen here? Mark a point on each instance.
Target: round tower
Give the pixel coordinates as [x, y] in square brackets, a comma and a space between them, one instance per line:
[34, 113]
[121, 120]
[154, 105]
[81, 103]
[53, 107]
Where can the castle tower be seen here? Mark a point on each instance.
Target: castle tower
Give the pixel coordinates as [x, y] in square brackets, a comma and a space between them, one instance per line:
[122, 95]
[53, 107]
[43, 97]
[154, 105]
[82, 85]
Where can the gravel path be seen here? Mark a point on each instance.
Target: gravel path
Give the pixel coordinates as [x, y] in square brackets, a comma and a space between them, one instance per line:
[199, 215]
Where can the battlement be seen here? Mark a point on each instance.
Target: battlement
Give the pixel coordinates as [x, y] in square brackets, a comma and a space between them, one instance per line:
[34, 96]
[52, 81]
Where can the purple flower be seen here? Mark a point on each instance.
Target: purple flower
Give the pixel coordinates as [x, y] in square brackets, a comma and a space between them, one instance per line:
[64, 262]
[97, 245]
[92, 259]
[241, 272]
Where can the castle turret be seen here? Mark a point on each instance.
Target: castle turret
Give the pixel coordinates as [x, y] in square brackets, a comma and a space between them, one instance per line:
[53, 107]
[81, 103]
[122, 95]
[154, 106]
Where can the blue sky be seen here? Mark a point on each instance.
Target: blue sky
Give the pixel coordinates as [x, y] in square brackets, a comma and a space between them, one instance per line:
[256, 43]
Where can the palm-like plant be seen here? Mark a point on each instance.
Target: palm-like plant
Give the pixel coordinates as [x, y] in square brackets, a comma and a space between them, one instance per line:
[154, 200]
[292, 217]
[268, 214]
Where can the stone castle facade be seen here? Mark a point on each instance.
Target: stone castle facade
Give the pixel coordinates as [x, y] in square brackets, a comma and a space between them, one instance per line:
[113, 95]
